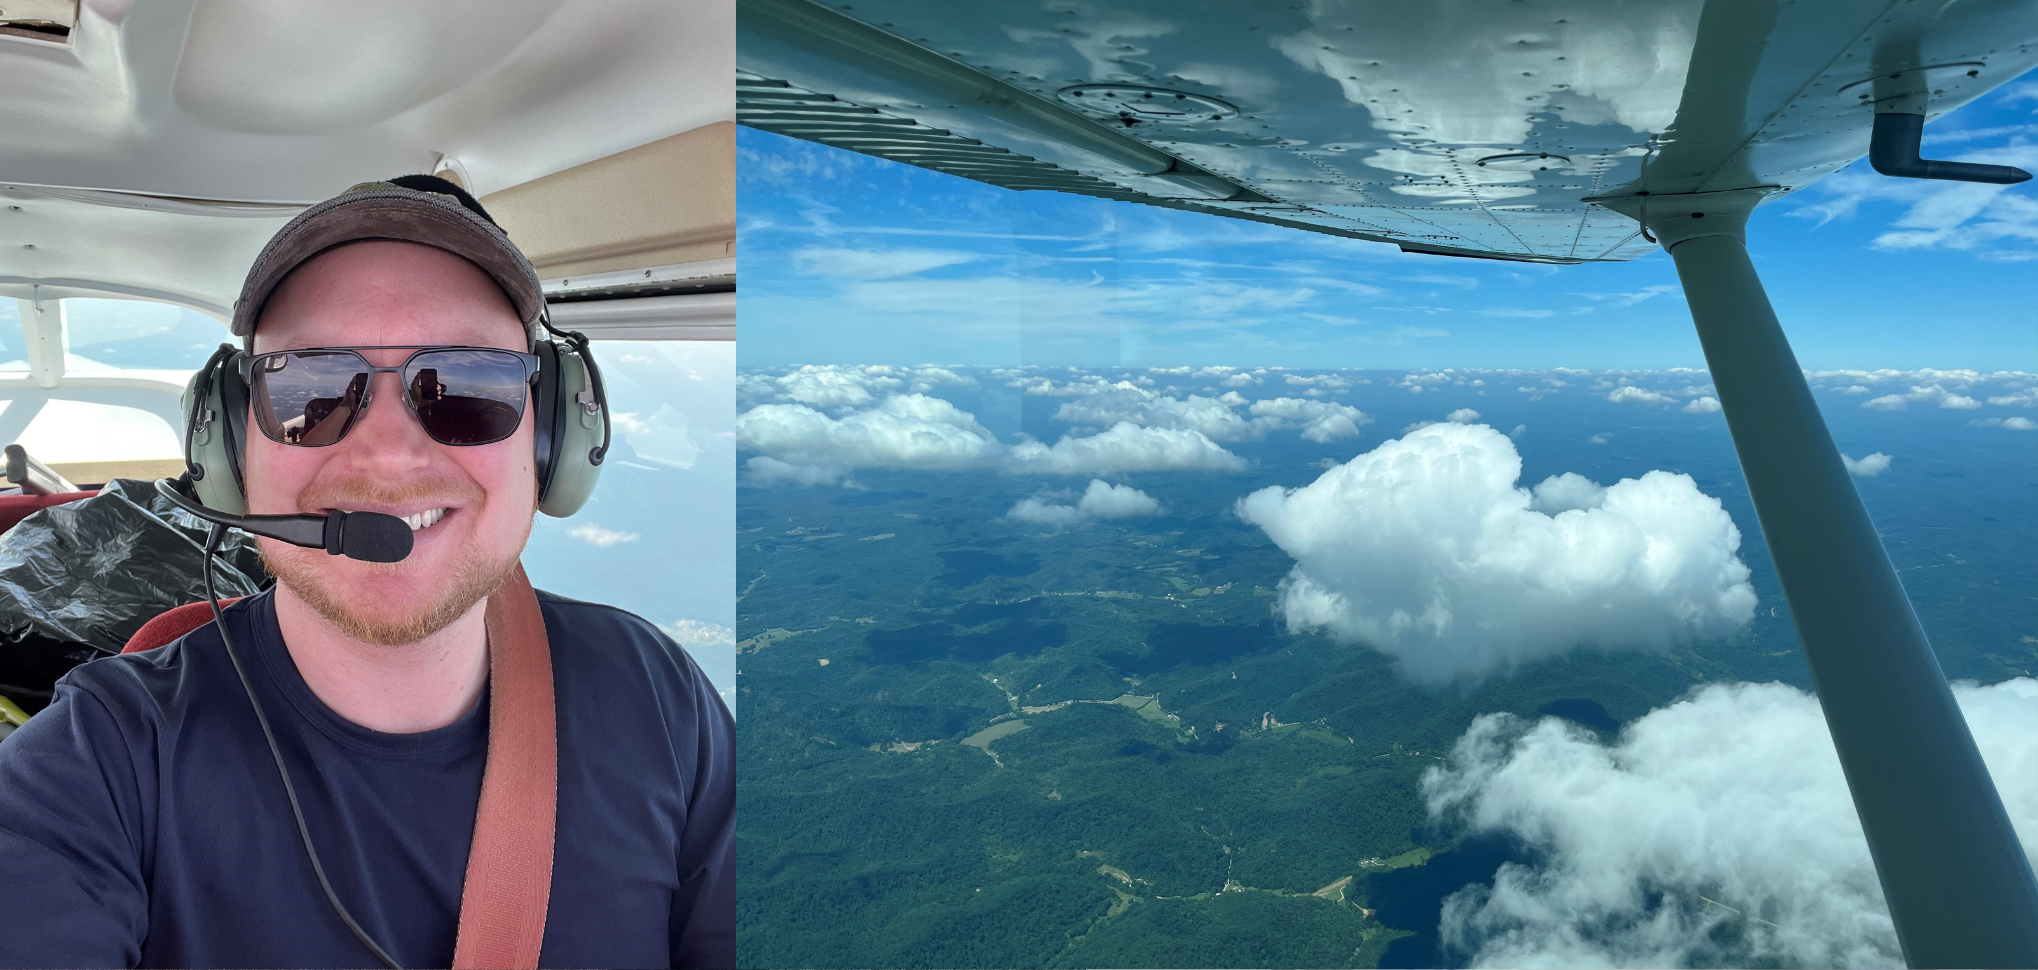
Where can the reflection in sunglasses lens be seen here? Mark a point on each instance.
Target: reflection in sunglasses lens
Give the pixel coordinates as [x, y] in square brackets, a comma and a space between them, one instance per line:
[467, 397]
[461, 397]
[309, 398]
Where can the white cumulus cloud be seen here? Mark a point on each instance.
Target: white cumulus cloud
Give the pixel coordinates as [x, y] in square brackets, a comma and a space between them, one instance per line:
[1321, 421]
[1125, 447]
[1703, 405]
[1427, 549]
[906, 431]
[1629, 394]
[1716, 831]
[1102, 500]
[1868, 467]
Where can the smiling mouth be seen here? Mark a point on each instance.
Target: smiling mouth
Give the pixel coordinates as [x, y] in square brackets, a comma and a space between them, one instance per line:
[423, 520]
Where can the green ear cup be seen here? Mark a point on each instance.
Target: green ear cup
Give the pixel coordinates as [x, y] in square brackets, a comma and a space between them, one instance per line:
[215, 408]
[578, 429]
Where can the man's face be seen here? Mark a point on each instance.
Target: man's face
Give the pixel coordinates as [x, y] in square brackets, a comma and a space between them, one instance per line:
[386, 293]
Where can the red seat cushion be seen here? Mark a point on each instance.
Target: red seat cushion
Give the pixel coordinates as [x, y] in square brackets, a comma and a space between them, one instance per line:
[171, 624]
[14, 508]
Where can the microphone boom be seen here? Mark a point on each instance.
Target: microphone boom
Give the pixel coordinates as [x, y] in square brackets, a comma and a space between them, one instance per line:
[367, 536]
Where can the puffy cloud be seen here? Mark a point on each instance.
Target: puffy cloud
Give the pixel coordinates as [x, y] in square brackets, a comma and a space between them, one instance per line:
[1716, 831]
[906, 431]
[1629, 394]
[2018, 423]
[800, 445]
[838, 387]
[1215, 418]
[1925, 392]
[1462, 416]
[599, 537]
[1868, 467]
[1125, 403]
[1320, 421]
[1125, 447]
[1102, 500]
[1703, 405]
[1332, 381]
[1039, 512]
[1107, 501]
[1562, 493]
[1426, 548]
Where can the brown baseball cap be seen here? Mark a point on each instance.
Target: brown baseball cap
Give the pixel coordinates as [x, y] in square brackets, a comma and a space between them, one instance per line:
[411, 208]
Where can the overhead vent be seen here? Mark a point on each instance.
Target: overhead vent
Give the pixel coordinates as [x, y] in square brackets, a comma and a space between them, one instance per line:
[44, 20]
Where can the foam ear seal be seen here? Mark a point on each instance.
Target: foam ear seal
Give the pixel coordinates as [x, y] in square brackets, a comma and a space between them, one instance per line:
[215, 418]
[577, 429]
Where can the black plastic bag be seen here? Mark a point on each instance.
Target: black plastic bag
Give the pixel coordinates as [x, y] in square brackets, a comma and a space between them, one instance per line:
[78, 579]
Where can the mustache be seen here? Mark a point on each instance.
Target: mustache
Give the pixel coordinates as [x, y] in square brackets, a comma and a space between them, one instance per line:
[353, 493]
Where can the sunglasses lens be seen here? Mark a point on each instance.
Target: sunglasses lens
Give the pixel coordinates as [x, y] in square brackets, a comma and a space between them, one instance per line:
[467, 397]
[308, 398]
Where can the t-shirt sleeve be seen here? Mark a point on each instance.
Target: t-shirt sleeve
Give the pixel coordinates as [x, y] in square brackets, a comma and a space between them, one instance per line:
[704, 908]
[71, 887]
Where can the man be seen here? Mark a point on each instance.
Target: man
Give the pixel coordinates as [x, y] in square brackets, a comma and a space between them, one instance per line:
[142, 819]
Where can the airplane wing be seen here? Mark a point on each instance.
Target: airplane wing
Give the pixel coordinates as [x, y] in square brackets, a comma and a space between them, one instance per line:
[1460, 127]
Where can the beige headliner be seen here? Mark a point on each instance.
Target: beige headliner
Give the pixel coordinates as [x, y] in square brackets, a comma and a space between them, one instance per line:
[119, 145]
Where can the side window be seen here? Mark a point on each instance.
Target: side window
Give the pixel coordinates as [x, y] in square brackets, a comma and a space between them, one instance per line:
[655, 537]
[108, 406]
[130, 334]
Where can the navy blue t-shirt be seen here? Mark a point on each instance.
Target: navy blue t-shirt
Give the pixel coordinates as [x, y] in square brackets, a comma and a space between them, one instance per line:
[142, 822]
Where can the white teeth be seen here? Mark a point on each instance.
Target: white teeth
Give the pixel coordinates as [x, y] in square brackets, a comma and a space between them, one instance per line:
[425, 519]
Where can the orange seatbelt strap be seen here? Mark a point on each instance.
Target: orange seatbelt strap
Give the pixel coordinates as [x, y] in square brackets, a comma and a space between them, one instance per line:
[509, 867]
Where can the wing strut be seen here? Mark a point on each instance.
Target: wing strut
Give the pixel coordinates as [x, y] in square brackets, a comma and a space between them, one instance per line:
[1958, 884]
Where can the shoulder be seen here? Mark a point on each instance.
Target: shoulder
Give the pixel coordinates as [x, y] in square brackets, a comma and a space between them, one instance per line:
[604, 642]
[153, 681]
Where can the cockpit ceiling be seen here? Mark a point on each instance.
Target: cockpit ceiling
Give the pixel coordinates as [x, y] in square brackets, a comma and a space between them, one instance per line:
[1475, 127]
[153, 149]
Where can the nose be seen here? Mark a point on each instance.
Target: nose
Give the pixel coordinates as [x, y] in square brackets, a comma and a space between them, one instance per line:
[386, 439]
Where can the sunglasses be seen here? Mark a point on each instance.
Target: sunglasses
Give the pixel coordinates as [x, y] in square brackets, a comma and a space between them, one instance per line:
[459, 395]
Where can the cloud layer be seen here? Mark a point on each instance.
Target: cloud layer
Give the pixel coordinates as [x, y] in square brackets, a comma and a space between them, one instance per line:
[1717, 831]
[1427, 549]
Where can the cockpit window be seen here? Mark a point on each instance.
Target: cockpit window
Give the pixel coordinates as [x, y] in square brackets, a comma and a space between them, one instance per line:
[139, 334]
[1163, 590]
[653, 539]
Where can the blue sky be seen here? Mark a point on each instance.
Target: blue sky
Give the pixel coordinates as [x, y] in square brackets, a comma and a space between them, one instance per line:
[851, 259]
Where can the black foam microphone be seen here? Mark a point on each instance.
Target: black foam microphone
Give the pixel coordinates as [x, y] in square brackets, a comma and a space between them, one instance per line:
[367, 536]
